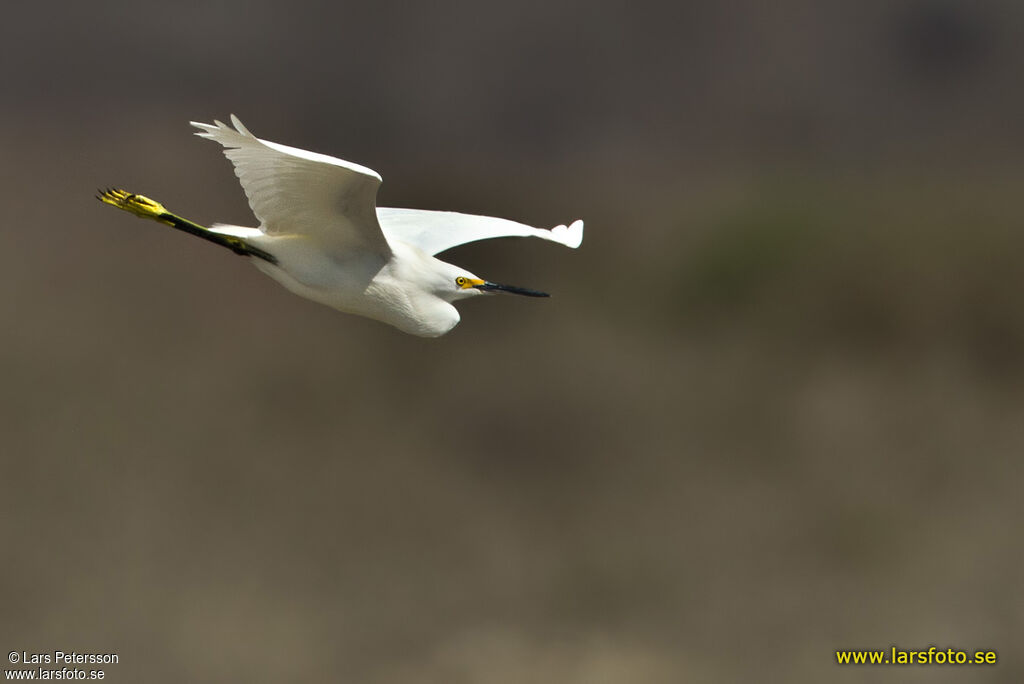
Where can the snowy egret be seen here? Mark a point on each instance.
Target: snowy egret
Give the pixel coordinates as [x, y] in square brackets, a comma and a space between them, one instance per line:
[322, 236]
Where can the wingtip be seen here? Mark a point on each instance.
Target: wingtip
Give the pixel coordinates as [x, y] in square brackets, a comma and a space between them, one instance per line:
[223, 133]
[205, 130]
[576, 231]
[571, 236]
[240, 127]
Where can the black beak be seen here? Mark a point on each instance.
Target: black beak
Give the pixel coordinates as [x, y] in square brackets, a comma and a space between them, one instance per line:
[513, 289]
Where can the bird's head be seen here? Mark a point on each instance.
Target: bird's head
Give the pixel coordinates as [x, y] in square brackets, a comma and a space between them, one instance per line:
[464, 284]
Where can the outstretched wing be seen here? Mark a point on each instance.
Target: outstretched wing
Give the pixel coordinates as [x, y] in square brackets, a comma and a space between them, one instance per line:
[295, 192]
[436, 231]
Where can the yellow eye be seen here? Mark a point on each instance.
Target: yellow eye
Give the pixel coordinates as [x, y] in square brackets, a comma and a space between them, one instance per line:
[460, 281]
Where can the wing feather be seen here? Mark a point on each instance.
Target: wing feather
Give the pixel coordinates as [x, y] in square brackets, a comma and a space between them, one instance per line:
[296, 192]
[436, 231]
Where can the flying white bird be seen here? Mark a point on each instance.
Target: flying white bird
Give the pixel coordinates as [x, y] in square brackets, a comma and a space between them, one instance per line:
[323, 237]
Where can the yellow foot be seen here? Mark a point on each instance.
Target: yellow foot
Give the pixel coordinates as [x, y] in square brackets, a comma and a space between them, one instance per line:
[130, 202]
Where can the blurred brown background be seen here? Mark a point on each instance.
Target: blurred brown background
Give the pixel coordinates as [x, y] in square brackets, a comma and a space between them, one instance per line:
[772, 410]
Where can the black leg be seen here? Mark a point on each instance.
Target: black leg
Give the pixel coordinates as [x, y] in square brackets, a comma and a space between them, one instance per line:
[147, 208]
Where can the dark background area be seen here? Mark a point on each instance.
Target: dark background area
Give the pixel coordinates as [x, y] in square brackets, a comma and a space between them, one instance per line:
[772, 410]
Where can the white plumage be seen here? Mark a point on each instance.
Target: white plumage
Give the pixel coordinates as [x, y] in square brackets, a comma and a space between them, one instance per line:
[322, 236]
